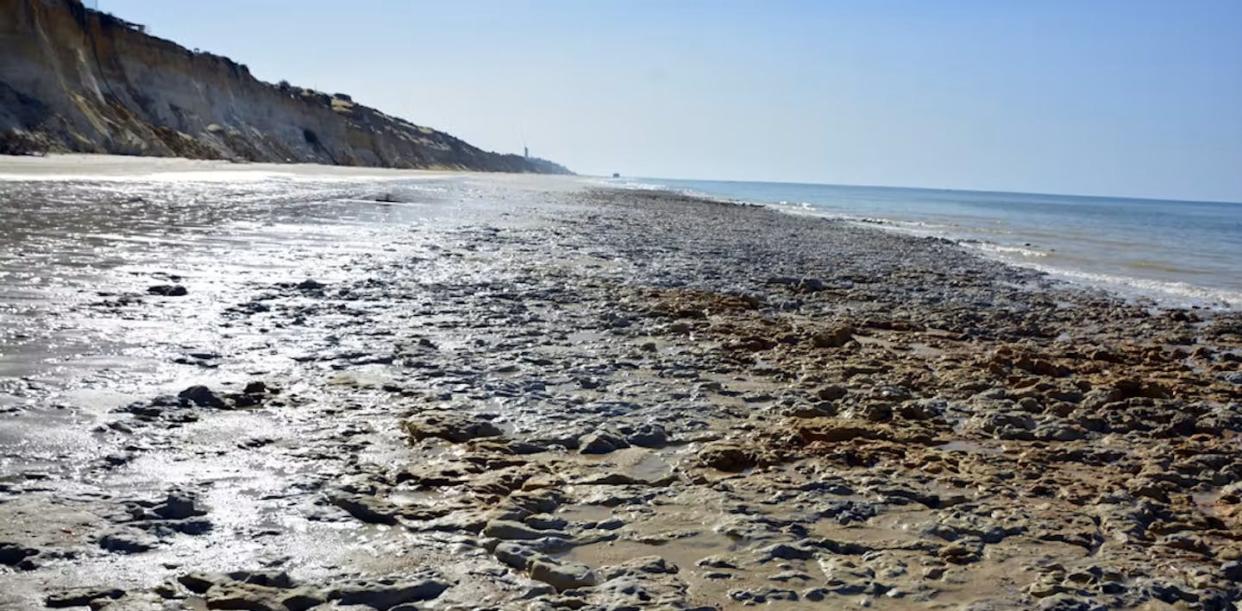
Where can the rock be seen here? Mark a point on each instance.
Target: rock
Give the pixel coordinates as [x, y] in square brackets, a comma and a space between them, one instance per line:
[716, 562]
[509, 530]
[569, 439]
[168, 290]
[788, 576]
[255, 387]
[823, 409]
[200, 582]
[831, 392]
[1232, 570]
[366, 508]
[302, 599]
[546, 522]
[12, 554]
[1189, 543]
[925, 409]
[763, 595]
[628, 593]
[873, 412]
[515, 555]
[752, 343]
[1131, 388]
[815, 594]
[525, 448]
[1066, 602]
[833, 337]
[784, 551]
[846, 511]
[202, 397]
[811, 285]
[157, 408]
[267, 579]
[127, 542]
[384, 596]
[451, 427]
[82, 597]
[799, 285]
[1041, 367]
[621, 479]
[838, 431]
[649, 565]
[1005, 425]
[117, 459]
[601, 442]
[562, 575]
[178, 506]
[724, 456]
[1058, 431]
[239, 595]
[961, 552]
[648, 435]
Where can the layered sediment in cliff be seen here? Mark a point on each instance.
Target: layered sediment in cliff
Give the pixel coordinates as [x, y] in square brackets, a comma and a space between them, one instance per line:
[78, 80]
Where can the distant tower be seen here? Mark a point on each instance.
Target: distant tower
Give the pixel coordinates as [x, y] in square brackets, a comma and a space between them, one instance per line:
[526, 151]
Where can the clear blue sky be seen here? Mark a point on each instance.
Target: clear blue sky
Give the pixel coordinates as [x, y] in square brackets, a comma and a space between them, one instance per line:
[1113, 97]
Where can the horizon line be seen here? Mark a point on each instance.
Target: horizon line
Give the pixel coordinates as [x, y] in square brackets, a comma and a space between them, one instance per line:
[949, 189]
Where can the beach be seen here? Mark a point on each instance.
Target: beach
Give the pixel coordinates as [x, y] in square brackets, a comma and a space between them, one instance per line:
[237, 387]
[1173, 252]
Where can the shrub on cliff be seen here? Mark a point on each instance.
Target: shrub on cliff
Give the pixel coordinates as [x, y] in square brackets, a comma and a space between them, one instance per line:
[21, 143]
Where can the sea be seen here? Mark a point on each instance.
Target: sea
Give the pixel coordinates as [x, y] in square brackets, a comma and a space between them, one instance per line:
[1177, 253]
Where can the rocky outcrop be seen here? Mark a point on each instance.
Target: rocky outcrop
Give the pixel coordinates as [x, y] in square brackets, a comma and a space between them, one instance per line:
[622, 405]
[78, 80]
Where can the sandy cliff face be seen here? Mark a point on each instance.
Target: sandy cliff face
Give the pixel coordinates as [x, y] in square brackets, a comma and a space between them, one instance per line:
[76, 80]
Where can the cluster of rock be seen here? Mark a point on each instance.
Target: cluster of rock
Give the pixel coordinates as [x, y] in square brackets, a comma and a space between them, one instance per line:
[712, 406]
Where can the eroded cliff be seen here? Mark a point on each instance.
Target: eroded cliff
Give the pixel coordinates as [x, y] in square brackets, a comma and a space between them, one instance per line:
[77, 80]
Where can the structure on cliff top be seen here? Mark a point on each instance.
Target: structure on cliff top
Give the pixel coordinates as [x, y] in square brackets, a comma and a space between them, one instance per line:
[74, 79]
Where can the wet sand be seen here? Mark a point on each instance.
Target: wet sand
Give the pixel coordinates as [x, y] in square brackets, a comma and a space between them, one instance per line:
[527, 392]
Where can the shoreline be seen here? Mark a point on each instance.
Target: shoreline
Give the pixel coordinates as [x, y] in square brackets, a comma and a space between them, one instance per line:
[86, 166]
[571, 397]
[1163, 292]
[96, 167]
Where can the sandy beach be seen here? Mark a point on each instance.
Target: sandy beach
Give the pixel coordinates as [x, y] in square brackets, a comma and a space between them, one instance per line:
[274, 387]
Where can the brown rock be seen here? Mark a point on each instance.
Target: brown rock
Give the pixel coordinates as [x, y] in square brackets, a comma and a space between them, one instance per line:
[832, 392]
[834, 337]
[725, 456]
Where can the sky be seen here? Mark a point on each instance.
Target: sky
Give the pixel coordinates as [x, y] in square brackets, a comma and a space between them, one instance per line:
[1098, 97]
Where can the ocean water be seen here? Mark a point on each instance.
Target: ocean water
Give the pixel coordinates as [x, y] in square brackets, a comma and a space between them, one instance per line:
[1175, 252]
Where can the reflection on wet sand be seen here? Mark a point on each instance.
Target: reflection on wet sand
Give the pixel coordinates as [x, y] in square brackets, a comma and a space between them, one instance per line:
[526, 393]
